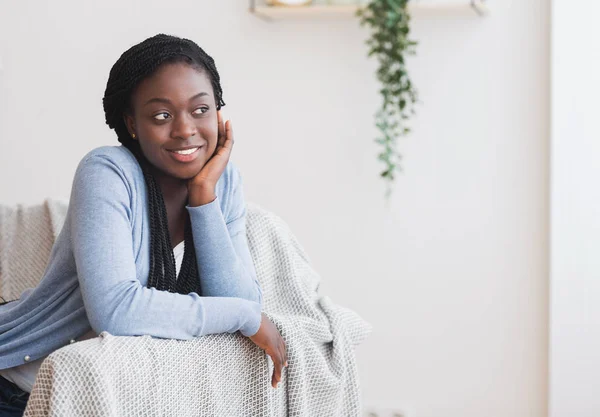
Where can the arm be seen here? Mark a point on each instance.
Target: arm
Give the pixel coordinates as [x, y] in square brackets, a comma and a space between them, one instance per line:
[225, 265]
[114, 298]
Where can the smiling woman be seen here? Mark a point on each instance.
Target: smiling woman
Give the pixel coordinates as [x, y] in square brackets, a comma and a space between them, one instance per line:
[117, 264]
[174, 117]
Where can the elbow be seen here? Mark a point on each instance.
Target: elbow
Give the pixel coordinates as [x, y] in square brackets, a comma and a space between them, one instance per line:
[255, 292]
[101, 322]
[247, 284]
[112, 319]
[259, 295]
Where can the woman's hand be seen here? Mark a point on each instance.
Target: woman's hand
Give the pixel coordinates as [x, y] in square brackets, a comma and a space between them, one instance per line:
[268, 339]
[201, 188]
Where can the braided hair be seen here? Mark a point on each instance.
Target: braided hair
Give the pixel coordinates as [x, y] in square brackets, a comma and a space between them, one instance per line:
[136, 64]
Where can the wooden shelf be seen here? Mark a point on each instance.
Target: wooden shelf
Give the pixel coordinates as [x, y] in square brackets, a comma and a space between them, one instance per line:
[479, 7]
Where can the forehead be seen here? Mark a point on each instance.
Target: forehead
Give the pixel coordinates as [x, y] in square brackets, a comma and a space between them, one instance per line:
[174, 81]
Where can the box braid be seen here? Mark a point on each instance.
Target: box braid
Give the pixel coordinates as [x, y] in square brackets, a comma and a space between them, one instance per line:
[137, 63]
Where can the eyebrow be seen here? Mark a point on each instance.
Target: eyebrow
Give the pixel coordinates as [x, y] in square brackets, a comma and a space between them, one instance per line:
[167, 101]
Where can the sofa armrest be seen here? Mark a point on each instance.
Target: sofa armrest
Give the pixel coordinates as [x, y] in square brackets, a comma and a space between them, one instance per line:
[121, 375]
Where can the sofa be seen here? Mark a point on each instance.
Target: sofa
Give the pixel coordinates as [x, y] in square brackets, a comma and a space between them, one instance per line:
[215, 375]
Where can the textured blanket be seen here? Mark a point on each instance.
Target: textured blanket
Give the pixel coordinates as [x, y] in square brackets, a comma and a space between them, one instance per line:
[216, 375]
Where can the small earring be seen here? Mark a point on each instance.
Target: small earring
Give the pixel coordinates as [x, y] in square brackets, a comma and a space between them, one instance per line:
[133, 135]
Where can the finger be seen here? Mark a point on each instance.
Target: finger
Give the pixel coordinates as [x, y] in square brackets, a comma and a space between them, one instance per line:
[281, 351]
[225, 143]
[228, 143]
[221, 135]
[221, 127]
[276, 371]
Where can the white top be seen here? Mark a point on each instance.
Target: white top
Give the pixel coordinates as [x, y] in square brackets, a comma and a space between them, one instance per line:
[24, 375]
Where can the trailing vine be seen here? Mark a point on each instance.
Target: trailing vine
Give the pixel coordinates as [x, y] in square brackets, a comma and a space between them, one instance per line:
[389, 42]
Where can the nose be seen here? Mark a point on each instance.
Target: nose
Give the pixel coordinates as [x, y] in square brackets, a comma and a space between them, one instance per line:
[183, 127]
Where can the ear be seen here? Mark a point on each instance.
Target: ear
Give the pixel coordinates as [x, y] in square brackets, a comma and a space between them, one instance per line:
[129, 123]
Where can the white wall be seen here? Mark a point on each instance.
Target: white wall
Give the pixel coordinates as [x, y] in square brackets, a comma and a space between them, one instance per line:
[453, 274]
[575, 259]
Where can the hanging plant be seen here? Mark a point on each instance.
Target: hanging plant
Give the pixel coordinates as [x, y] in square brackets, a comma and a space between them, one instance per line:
[389, 42]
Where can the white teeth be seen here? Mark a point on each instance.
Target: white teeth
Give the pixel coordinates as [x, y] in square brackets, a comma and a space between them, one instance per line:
[186, 152]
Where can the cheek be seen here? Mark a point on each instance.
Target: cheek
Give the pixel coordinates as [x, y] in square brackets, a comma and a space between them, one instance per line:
[211, 133]
[151, 140]
[153, 133]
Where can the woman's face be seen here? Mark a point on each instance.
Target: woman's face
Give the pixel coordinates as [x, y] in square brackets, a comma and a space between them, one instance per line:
[172, 110]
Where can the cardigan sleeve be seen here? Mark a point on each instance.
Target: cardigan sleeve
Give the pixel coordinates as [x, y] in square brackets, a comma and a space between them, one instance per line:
[114, 299]
[225, 265]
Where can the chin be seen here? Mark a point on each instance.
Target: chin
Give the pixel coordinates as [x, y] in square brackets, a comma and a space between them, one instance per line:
[190, 172]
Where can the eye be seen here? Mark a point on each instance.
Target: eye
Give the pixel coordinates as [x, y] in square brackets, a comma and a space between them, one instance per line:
[162, 116]
[200, 110]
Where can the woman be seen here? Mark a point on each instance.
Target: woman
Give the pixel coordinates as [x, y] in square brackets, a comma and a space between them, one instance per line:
[154, 242]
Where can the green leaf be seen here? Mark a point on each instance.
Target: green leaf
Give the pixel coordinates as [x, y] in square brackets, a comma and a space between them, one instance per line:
[389, 43]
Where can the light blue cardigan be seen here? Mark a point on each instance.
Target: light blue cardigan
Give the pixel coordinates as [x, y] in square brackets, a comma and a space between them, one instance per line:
[98, 268]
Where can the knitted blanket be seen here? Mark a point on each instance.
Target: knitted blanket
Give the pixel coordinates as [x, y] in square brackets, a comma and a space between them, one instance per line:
[215, 375]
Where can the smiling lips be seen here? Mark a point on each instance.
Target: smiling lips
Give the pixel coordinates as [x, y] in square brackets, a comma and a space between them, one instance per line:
[186, 151]
[185, 155]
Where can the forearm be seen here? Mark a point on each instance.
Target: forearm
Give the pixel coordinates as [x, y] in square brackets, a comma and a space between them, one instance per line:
[140, 310]
[224, 263]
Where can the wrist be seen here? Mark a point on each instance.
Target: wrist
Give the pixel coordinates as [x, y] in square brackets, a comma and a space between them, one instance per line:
[201, 195]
